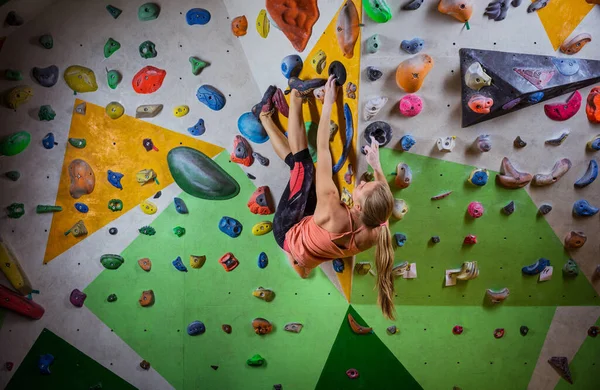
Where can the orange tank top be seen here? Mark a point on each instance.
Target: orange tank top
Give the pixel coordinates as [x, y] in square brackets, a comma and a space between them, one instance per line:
[310, 244]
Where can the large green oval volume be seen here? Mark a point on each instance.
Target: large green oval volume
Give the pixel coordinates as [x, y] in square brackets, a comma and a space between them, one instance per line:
[198, 175]
[15, 143]
[378, 10]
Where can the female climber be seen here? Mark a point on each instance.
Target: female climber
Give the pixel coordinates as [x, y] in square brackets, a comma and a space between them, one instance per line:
[311, 224]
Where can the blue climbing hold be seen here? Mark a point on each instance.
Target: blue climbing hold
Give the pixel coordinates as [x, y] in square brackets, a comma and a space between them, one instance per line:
[114, 178]
[536, 267]
[48, 141]
[583, 208]
[178, 264]
[263, 260]
[44, 363]
[251, 128]
[338, 265]
[400, 239]
[82, 207]
[198, 128]
[535, 97]
[479, 177]
[196, 328]
[180, 206]
[210, 96]
[291, 66]
[407, 142]
[413, 46]
[230, 226]
[566, 66]
[197, 16]
[349, 137]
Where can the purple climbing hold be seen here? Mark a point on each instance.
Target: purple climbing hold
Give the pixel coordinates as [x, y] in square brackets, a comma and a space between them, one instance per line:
[77, 298]
[47, 77]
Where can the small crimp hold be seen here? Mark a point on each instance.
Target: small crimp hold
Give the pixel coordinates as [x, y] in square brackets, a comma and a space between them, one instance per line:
[392, 329]
[147, 299]
[400, 239]
[145, 264]
[229, 262]
[570, 269]
[470, 240]
[197, 261]
[145, 365]
[544, 209]
[264, 293]
[435, 239]
[509, 208]
[499, 333]
[294, 327]
[475, 209]
[523, 330]
[352, 373]
[575, 240]
[362, 268]
[178, 264]
[558, 140]
[497, 296]
[457, 330]
[178, 231]
[519, 143]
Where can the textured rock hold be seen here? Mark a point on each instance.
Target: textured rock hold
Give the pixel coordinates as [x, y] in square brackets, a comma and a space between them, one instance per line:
[475, 209]
[261, 326]
[347, 28]
[295, 19]
[147, 299]
[147, 49]
[82, 178]
[478, 177]
[570, 269]
[264, 294]
[582, 208]
[148, 80]
[412, 46]
[318, 61]
[560, 168]
[260, 201]
[410, 105]
[111, 261]
[575, 44]
[148, 110]
[145, 264]
[239, 26]
[229, 261]
[77, 298]
[195, 328]
[113, 11]
[461, 10]
[46, 113]
[509, 177]
[211, 97]
[179, 231]
[575, 240]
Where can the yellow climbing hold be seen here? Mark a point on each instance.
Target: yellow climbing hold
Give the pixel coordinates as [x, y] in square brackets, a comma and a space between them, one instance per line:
[180, 111]
[319, 61]
[18, 95]
[263, 25]
[12, 270]
[80, 79]
[148, 207]
[197, 261]
[262, 228]
[115, 110]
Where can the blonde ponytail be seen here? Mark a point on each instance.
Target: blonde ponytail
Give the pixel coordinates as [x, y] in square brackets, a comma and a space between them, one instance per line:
[384, 262]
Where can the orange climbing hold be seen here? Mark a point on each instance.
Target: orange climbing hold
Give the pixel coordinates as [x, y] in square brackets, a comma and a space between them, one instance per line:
[145, 264]
[260, 201]
[356, 327]
[149, 79]
[459, 9]
[411, 73]
[348, 28]
[592, 108]
[295, 18]
[147, 298]
[239, 26]
[480, 104]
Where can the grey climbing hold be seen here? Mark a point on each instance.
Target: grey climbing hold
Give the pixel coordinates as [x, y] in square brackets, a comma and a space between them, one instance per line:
[509, 208]
[47, 77]
[373, 73]
[545, 209]
[262, 160]
[13, 19]
[13, 175]
[373, 44]
[80, 108]
[413, 46]
[412, 5]
[112, 231]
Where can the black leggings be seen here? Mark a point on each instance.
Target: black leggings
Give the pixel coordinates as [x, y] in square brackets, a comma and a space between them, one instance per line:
[299, 198]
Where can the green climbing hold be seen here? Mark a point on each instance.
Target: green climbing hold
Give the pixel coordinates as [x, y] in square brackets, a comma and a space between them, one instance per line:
[198, 175]
[197, 65]
[115, 205]
[113, 11]
[46, 41]
[570, 268]
[15, 143]
[110, 47]
[13, 175]
[147, 230]
[41, 209]
[147, 49]
[148, 11]
[13, 74]
[255, 361]
[179, 231]
[79, 143]
[113, 78]
[378, 10]
[111, 261]
[46, 113]
[15, 210]
[110, 298]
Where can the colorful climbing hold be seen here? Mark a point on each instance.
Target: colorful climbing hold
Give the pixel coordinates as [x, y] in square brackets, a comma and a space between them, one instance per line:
[338, 265]
[77, 230]
[410, 105]
[544, 209]
[264, 294]
[575, 240]
[147, 230]
[378, 10]
[373, 44]
[110, 47]
[589, 176]
[582, 208]
[476, 78]
[263, 260]
[115, 110]
[148, 111]
[242, 151]
[263, 25]
[407, 142]
[112, 298]
[195, 328]
[198, 128]
[78, 143]
[348, 28]
[48, 141]
[459, 9]
[291, 66]
[77, 298]
[251, 128]
[261, 326]
[145, 264]
[479, 177]
[592, 108]
[81, 207]
[262, 228]
[148, 11]
[144, 364]
[412, 46]
[519, 143]
[18, 96]
[197, 65]
[575, 44]
[115, 205]
[536, 268]
[111, 261]
[373, 73]
[226, 328]
[178, 231]
[412, 5]
[114, 178]
[15, 143]
[197, 261]
[15, 210]
[181, 111]
[147, 49]
[255, 361]
[509, 208]
[475, 209]
[47, 77]
[239, 26]
[457, 330]
[80, 108]
[295, 19]
[480, 104]
[148, 80]
[230, 226]
[211, 97]
[113, 11]
[44, 363]
[356, 327]
[80, 79]
[113, 231]
[400, 239]
[570, 268]
[229, 261]
[497, 296]
[523, 330]
[145, 176]
[148, 207]
[180, 206]
[509, 177]
[411, 73]
[470, 240]
[499, 333]
[352, 373]
[13, 74]
[381, 131]
[400, 209]
[46, 41]
[318, 61]
[260, 203]
[147, 299]
[113, 78]
[198, 16]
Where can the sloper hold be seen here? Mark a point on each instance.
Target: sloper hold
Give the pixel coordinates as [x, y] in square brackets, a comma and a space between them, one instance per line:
[411, 73]
[148, 110]
[564, 111]
[318, 61]
[80, 79]
[295, 19]
[373, 44]
[230, 226]
[242, 151]
[378, 10]
[356, 327]
[180, 206]
[211, 97]
[111, 261]
[198, 129]
[575, 240]
[461, 10]
[148, 80]
[412, 5]
[113, 78]
[509, 177]
[347, 28]
[561, 365]
[263, 25]
[410, 105]
[82, 178]
[18, 96]
[148, 11]
[198, 175]
[15, 143]
[47, 77]
[560, 168]
[582, 208]
[197, 16]
[589, 176]
[403, 176]
[291, 66]
[521, 80]
[407, 142]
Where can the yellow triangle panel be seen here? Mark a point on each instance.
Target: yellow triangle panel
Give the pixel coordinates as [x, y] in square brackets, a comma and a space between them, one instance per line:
[561, 17]
[312, 110]
[116, 145]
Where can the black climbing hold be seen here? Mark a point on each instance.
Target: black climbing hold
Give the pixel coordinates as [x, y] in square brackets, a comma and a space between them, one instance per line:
[524, 330]
[214, 367]
[12, 19]
[338, 69]
[250, 176]
[157, 195]
[381, 131]
[113, 230]
[46, 41]
[435, 239]
[373, 73]
[112, 297]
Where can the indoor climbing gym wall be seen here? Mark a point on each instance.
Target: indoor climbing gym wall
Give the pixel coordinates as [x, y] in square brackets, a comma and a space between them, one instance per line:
[138, 192]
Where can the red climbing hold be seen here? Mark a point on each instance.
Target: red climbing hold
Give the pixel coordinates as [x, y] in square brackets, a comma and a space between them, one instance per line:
[229, 262]
[242, 151]
[457, 330]
[260, 202]
[149, 79]
[9, 366]
[564, 111]
[352, 373]
[19, 304]
[470, 240]
[499, 333]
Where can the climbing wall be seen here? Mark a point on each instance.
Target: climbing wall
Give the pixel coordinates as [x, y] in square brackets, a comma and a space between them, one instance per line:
[106, 341]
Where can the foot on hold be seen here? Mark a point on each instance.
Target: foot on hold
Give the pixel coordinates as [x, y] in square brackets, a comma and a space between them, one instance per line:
[147, 299]
[260, 202]
[304, 87]
[561, 364]
[356, 327]
[229, 261]
[536, 268]
[77, 298]
[266, 104]
[570, 269]
[255, 361]
[261, 326]
[264, 293]
[497, 296]
[294, 327]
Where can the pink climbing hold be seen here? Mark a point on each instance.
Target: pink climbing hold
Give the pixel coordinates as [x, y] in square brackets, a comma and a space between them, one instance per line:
[564, 111]
[475, 209]
[410, 105]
